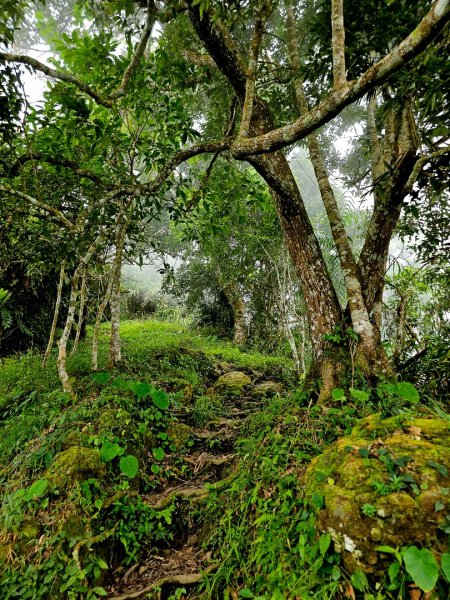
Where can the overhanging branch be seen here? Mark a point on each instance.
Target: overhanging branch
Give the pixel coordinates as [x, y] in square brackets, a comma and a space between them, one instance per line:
[409, 48]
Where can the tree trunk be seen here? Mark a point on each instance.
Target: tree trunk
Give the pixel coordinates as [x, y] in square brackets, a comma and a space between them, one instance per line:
[51, 338]
[80, 313]
[235, 300]
[115, 352]
[62, 344]
[321, 301]
[98, 319]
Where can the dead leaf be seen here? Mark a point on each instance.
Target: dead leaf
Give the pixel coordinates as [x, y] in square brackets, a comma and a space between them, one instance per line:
[414, 431]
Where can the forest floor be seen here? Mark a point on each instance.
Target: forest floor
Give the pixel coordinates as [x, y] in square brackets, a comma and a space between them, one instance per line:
[180, 475]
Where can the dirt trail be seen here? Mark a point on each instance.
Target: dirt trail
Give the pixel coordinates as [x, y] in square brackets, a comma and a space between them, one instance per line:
[210, 462]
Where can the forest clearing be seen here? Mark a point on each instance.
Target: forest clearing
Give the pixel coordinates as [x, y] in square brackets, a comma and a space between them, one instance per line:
[224, 299]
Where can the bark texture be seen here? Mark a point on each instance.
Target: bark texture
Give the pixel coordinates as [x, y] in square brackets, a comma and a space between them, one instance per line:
[51, 339]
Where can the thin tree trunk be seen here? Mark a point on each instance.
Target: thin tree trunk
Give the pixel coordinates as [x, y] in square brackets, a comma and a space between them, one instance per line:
[115, 352]
[51, 338]
[98, 319]
[235, 300]
[80, 312]
[62, 344]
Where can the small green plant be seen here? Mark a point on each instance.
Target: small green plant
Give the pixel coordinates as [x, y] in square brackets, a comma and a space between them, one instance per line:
[368, 510]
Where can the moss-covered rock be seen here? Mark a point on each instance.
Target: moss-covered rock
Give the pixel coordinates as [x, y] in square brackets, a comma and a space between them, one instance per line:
[72, 465]
[385, 484]
[179, 433]
[267, 388]
[232, 383]
[114, 419]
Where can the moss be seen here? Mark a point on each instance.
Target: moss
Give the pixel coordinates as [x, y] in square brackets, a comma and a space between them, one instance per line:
[232, 383]
[267, 388]
[114, 419]
[347, 479]
[179, 434]
[72, 465]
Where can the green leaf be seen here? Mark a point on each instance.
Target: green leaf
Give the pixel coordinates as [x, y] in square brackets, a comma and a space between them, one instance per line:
[160, 399]
[129, 465]
[102, 564]
[393, 571]
[386, 549]
[337, 394]
[324, 543]
[245, 593]
[101, 378]
[335, 573]
[99, 591]
[36, 490]
[359, 581]
[109, 451]
[142, 389]
[445, 565]
[422, 567]
[407, 391]
[158, 453]
[359, 395]
[155, 469]
[364, 452]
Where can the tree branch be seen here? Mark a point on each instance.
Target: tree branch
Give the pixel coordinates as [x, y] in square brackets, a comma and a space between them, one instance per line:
[84, 87]
[62, 162]
[184, 155]
[139, 52]
[39, 204]
[338, 43]
[409, 48]
[261, 18]
[420, 163]
[56, 74]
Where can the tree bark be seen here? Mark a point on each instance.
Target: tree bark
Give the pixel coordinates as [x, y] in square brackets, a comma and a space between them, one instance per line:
[62, 344]
[51, 338]
[80, 312]
[98, 319]
[115, 352]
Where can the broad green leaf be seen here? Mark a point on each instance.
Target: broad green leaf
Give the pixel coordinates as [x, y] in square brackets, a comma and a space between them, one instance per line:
[324, 543]
[129, 465]
[407, 391]
[158, 453]
[101, 378]
[393, 571]
[142, 389]
[386, 549]
[160, 399]
[359, 581]
[359, 395]
[155, 469]
[110, 450]
[36, 490]
[445, 565]
[422, 567]
[337, 393]
[246, 593]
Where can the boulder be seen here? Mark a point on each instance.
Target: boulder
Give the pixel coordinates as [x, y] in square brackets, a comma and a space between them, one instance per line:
[179, 434]
[386, 484]
[232, 383]
[267, 388]
[72, 465]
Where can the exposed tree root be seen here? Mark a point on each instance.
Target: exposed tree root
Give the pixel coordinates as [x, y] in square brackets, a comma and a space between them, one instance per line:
[189, 579]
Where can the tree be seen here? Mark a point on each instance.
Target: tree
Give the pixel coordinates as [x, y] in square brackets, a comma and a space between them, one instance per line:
[354, 69]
